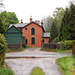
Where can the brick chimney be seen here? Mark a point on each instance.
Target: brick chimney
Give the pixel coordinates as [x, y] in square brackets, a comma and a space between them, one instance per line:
[21, 21]
[42, 23]
[30, 19]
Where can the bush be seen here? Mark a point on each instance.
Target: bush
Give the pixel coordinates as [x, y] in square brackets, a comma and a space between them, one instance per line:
[6, 71]
[56, 40]
[3, 47]
[66, 45]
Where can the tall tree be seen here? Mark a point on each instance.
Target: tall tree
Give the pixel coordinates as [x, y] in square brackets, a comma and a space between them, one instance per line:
[48, 23]
[71, 24]
[54, 32]
[58, 15]
[64, 25]
[8, 18]
[1, 27]
[67, 30]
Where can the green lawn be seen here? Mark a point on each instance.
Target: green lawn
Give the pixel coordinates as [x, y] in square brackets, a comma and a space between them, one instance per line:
[63, 51]
[67, 65]
[37, 71]
[6, 71]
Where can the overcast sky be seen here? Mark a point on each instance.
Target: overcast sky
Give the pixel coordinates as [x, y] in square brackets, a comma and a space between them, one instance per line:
[35, 8]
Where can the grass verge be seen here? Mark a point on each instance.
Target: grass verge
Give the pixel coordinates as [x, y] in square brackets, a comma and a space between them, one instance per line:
[14, 50]
[37, 71]
[60, 51]
[56, 50]
[67, 65]
[6, 71]
[48, 50]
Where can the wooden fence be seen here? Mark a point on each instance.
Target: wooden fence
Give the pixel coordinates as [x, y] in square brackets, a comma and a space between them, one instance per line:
[50, 45]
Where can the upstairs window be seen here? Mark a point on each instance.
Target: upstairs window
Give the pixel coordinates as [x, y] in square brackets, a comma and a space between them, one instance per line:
[32, 40]
[32, 31]
[25, 28]
[21, 29]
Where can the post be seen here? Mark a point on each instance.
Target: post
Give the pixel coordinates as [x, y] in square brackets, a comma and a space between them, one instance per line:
[41, 44]
[21, 44]
[73, 48]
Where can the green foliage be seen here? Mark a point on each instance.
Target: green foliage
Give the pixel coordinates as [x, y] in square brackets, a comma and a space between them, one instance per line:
[48, 23]
[56, 40]
[3, 47]
[37, 71]
[58, 15]
[66, 45]
[66, 65]
[8, 18]
[64, 26]
[54, 32]
[6, 71]
[67, 30]
[1, 26]
[71, 23]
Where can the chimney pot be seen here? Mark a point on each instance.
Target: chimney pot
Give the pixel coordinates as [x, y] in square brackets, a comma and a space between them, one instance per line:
[30, 19]
[42, 23]
[21, 21]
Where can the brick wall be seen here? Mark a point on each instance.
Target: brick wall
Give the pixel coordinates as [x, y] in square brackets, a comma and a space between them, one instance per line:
[46, 39]
[38, 34]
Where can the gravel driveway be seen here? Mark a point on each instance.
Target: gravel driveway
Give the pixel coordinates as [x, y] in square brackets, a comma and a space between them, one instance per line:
[24, 66]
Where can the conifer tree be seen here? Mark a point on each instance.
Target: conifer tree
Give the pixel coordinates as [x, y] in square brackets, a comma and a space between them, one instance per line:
[71, 23]
[54, 32]
[64, 25]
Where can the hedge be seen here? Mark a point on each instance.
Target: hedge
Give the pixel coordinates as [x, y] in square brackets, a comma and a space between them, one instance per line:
[66, 45]
[3, 47]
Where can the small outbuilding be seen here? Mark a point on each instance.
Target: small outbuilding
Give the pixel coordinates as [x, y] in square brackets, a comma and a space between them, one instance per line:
[14, 38]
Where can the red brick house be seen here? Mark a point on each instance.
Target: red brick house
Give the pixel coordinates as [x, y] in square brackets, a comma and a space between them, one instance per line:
[33, 33]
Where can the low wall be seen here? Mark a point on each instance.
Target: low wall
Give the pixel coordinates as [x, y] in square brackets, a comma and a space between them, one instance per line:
[15, 46]
[51, 46]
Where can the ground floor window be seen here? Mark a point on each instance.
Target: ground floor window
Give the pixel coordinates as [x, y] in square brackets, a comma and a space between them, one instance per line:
[43, 40]
[32, 40]
[26, 41]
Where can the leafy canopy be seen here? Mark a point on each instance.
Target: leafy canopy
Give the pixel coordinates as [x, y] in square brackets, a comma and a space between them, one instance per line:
[8, 18]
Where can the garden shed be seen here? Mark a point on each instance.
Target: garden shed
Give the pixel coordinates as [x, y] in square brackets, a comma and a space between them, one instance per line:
[14, 38]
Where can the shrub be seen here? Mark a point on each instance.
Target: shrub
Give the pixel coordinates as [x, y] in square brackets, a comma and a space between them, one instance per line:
[56, 40]
[3, 47]
[66, 45]
[6, 71]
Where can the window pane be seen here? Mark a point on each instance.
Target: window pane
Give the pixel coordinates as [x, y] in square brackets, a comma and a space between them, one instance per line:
[43, 40]
[25, 28]
[33, 31]
[33, 40]
[26, 41]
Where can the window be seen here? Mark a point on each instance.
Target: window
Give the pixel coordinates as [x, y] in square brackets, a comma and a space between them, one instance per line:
[49, 41]
[25, 28]
[43, 40]
[26, 41]
[32, 40]
[21, 29]
[32, 31]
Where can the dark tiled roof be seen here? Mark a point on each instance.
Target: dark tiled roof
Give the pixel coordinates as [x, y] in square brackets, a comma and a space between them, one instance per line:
[19, 25]
[24, 25]
[45, 34]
